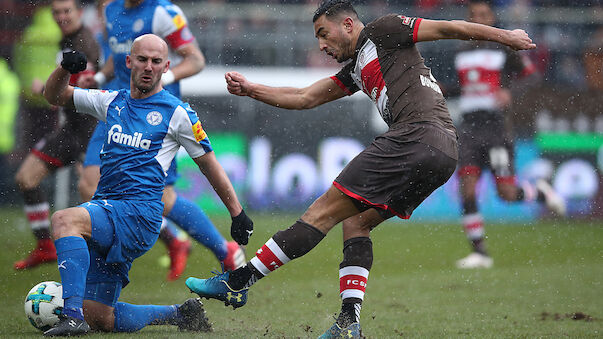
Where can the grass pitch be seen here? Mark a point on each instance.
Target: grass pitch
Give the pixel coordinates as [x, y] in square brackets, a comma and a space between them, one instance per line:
[546, 282]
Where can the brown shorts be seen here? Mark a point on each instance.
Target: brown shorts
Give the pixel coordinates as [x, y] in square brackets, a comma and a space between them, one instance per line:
[485, 143]
[68, 144]
[400, 169]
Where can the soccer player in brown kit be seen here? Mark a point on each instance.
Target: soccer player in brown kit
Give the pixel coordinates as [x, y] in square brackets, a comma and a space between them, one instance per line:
[485, 70]
[62, 147]
[394, 174]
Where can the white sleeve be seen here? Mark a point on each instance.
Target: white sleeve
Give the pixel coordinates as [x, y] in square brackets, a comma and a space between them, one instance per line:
[93, 102]
[167, 20]
[189, 133]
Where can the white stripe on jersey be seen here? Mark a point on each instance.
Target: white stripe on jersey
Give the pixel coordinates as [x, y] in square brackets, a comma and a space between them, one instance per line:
[488, 59]
[181, 127]
[366, 55]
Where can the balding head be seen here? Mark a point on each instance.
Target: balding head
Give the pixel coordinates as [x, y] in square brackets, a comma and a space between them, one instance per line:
[150, 42]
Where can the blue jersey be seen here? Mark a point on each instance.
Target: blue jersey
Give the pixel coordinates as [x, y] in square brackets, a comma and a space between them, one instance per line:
[143, 136]
[159, 17]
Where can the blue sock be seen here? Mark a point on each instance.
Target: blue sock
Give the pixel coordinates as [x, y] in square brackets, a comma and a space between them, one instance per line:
[131, 318]
[191, 218]
[74, 261]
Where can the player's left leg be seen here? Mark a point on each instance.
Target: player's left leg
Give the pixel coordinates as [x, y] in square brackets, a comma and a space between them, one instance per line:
[354, 271]
[28, 178]
[231, 287]
[104, 313]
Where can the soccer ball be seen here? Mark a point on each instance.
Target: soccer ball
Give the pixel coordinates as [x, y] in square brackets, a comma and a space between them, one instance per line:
[43, 304]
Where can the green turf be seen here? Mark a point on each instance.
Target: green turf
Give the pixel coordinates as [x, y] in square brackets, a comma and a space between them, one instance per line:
[543, 274]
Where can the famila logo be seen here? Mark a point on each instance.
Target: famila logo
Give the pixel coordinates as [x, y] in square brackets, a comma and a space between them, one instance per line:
[136, 140]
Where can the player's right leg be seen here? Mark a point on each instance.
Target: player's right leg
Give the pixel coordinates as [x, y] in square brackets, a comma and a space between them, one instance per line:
[231, 287]
[29, 175]
[354, 271]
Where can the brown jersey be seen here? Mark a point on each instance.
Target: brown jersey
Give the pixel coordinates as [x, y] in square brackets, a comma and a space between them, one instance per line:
[82, 40]
[484, 67]
[388, 67]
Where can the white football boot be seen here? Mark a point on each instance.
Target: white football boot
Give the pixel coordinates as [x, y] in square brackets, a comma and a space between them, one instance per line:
[552, 200]
[475, 260]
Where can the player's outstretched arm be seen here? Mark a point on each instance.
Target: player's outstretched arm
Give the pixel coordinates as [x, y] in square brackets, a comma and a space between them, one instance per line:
[57, 90]
[320, 92]
[430, 30]
[242, 226]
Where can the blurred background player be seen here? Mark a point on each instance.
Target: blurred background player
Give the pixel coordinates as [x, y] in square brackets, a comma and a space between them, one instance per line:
[125, 21]
[62, 147]
[487, 72]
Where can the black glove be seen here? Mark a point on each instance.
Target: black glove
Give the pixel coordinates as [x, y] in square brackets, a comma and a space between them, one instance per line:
[74, 61]
[241, 228]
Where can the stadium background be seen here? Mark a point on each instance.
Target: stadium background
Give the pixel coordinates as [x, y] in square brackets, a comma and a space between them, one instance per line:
[546, 281]
[282, 160]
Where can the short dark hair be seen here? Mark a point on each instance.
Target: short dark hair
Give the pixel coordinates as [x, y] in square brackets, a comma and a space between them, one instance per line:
[78, 3]
[485, 2]
[331, 8]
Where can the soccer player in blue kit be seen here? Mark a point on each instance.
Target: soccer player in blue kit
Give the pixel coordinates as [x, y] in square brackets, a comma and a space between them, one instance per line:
[126, 20]
[97, 241]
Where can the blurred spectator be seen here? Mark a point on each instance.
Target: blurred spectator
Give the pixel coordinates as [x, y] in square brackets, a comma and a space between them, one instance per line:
[34, 59]
[593, 61]
[9, 104]
[14, 17]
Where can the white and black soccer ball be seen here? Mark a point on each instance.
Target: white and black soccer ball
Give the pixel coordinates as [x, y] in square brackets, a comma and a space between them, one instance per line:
[43, 304]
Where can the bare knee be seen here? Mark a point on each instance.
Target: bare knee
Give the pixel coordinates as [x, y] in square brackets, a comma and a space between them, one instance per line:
[60, 224]
[23, 181]
[73, 221]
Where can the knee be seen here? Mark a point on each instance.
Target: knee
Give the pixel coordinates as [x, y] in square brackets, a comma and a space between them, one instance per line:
[61, 225]
[22, 181]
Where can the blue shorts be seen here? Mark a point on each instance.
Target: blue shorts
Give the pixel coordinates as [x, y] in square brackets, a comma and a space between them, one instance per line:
[95, 144]
[103, 292]
[122, 230]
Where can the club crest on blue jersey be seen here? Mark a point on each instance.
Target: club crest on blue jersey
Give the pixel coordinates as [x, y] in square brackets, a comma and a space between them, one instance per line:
[154, 118]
